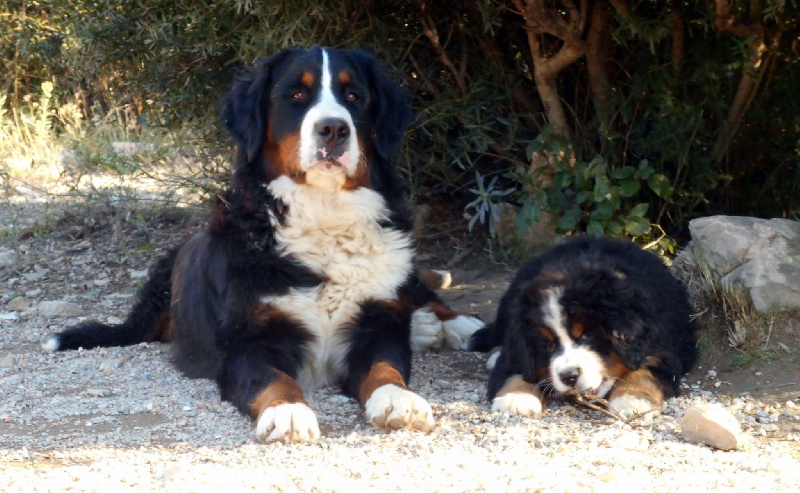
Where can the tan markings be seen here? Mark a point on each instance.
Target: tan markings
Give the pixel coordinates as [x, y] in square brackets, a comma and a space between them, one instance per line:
[441, 311]
[381, 373]
[551, 276]
[164, 328]
[614, 367]
[282, 157]
[344, 77]
[307, 79]
[576, 330]
[640, 383]
[430, 279]
[547, 334]
[284, 390]
[516, 385]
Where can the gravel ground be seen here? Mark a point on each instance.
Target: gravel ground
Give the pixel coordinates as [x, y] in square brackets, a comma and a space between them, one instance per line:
[122, 419]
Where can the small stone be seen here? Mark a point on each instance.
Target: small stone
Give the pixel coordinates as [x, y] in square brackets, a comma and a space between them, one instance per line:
[712, 425]
[8, 361]
[19, 304]
[137, 274]
[97, 392]
[8, 258]
[36, 275]
[790, 404]
[59, 308]
[712, 374]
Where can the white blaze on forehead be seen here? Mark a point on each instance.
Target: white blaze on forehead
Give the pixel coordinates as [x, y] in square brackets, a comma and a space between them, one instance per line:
[554, 318]
[326, 106]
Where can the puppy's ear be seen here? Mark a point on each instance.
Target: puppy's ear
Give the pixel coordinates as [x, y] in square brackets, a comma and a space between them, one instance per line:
[630, 341]
[245, 109]
[391, 109]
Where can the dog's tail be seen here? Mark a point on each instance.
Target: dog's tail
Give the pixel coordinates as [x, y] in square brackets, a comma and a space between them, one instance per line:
[485, 339]
[148, 321]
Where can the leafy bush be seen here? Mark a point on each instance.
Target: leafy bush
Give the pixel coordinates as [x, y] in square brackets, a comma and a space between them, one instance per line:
[644, 158]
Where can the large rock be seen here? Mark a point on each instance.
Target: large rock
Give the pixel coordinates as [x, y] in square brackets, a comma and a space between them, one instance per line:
[59, 308]
[759, 256]
[712, 425]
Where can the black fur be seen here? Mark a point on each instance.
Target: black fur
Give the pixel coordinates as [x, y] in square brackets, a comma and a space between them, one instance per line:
[210, 287]
[626, 299]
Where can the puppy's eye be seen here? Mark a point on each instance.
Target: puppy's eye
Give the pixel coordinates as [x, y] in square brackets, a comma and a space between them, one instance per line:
[299, 95]
[352, 97]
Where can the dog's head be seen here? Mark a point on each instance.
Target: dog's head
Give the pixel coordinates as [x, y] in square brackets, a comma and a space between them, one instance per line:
[319, 116]
[585, 327]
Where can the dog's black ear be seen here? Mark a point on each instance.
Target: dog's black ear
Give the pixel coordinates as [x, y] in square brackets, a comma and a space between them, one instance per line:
[245, 109]
[631, 342]
[391, 110]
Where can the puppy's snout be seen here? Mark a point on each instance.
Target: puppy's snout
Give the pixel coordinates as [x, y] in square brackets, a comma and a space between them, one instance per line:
[332, 131]
[570, 377]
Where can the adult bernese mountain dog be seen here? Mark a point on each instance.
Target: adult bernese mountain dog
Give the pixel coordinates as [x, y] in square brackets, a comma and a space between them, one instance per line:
[590, 316]
[305, 275]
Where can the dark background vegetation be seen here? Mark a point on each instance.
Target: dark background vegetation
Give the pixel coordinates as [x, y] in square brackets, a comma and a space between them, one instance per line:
[623, 117]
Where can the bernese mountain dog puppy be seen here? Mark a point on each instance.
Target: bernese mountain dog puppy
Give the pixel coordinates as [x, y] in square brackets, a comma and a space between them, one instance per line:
[305, 275]
[594, 316]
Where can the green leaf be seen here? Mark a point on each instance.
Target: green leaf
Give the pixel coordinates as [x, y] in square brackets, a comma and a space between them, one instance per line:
[629, 187]
[583, 197]
[570, 220]
[614, 228]
[529, 214]
[639, 209]
[660, 185]
[636, 226]
[595, 228]
[603, 212]
[645, 170]
[601, 189]
[533, 146]
[622, 173]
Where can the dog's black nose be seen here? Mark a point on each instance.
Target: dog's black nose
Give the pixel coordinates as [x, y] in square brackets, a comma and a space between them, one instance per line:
[570, 377]
[332, 131]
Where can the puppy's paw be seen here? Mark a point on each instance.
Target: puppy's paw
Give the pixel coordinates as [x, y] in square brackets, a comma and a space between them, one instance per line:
[293, 422]
[627, 406]
[391, 407]
[491, 361]
[519, 403]
[426, 330]
[458, 331]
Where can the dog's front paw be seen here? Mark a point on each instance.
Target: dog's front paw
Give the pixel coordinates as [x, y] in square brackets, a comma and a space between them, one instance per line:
[459, 330]
[519, 403]
[391, 407]
[293, 422]
[426, 330]
[628, 406]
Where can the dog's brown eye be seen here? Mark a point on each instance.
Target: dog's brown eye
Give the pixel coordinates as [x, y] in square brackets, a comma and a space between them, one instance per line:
[299, 95]
[352, 97]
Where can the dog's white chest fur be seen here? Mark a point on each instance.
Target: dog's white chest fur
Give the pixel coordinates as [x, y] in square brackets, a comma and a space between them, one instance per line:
[336, 234]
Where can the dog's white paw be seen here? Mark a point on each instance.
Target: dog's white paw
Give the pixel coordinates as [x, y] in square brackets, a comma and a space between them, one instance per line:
[519, 403]
[458, 331]
[293, 422]
[391, 407]
[426, 330]
[628, 406]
